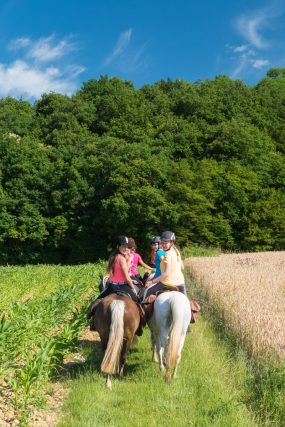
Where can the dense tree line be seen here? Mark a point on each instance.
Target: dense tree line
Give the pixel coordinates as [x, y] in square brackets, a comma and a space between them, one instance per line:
[204, 159]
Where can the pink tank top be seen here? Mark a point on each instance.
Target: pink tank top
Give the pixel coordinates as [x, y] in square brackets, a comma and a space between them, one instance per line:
[135, 262]
[118, 275]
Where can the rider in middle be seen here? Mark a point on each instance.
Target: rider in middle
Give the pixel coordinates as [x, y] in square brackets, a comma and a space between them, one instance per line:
[159, 255]
[136, 260]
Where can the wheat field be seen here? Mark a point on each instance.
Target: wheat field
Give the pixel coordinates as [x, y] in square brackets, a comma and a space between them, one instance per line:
[248, 290]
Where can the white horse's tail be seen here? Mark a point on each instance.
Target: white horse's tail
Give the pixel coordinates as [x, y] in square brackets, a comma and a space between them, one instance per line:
[176, 331]
[111, 361]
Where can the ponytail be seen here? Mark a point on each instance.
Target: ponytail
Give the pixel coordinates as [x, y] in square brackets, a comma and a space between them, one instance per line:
[111, 260]
[178, 255]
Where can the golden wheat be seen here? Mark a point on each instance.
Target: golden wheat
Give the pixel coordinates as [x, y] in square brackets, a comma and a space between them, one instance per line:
[249, 291]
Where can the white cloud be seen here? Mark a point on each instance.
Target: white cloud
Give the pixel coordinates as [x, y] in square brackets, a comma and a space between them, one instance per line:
[121, 46]
[250, 28]
[19, 43]
[247, 57]
[241, 48]
[20, 79]
[123, 42]
[239, 68]
[260, 63]
[124, 59]
[43, 50]
[30, 76]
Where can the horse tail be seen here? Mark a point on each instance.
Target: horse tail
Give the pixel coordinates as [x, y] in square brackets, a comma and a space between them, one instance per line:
[111, 361]
[176, 331]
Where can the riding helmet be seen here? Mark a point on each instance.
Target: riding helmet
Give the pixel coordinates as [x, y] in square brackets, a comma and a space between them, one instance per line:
[155, 239]
[122, 240]
[168, 235]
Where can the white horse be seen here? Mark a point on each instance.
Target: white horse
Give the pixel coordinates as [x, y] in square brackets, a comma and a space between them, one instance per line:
[168, 325]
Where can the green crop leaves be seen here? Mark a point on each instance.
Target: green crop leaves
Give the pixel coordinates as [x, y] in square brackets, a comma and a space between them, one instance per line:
[36, 335]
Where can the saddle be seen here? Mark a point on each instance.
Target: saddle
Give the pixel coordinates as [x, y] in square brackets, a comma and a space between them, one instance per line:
[195, 308]
[167, 288]
[148, 304]
[122, 294]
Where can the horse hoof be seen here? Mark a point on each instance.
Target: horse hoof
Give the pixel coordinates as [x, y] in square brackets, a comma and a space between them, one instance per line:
[109, 384]
[168, 377]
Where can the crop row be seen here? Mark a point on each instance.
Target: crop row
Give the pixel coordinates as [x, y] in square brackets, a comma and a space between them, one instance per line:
[36, 335]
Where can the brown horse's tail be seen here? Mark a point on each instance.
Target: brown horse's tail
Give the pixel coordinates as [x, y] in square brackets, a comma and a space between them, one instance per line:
[111, 361]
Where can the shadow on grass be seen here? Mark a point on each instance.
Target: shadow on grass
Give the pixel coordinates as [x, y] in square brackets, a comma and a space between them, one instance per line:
[74, 368]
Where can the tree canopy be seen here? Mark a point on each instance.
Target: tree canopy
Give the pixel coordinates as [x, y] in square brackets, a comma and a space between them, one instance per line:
[204, 159]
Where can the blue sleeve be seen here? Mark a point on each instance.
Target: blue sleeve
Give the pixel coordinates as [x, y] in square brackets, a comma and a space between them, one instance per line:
[160, 253]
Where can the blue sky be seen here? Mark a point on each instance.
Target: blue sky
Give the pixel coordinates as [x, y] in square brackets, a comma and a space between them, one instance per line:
[56, 45]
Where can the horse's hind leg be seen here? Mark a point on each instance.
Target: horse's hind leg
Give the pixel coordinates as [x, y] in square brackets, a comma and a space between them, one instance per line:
[168, 370]
[109, 382]
[168, 375]
[124, 354]
[153, 347]
[162, 347]
[182, 340]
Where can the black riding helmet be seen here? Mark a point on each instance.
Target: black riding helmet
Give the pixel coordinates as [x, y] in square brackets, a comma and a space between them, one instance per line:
[168, 235]
[155, 239]
[122, 240]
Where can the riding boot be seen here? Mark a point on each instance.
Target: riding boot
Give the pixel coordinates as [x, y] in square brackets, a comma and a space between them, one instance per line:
[92, 308]
[148, 306]
[139, 331]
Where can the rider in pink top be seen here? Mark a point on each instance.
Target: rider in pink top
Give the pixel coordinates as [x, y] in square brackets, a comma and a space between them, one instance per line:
[136, 260]
[118, 266]
[117, 275]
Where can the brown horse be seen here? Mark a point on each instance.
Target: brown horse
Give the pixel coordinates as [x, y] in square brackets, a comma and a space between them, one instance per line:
[116, 319]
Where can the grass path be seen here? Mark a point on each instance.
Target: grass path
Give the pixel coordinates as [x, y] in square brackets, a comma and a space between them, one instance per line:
[208, 390]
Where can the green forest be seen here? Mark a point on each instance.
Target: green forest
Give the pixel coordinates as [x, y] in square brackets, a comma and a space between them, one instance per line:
[204, 159]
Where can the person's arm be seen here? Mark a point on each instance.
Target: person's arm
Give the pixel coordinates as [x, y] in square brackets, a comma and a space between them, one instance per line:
[162, 277]
[143, 264]
[124, 267]
[129, 260]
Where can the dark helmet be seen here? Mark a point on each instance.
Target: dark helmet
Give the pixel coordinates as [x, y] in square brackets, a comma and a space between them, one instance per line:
[122, 240]
[168, 235]
[155, 239]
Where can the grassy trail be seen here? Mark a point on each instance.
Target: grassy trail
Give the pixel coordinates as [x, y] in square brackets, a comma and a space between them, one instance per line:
[208, 390]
